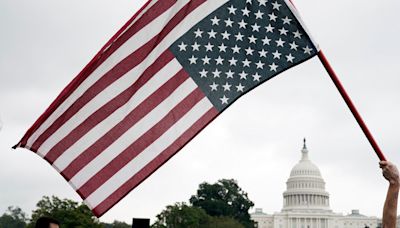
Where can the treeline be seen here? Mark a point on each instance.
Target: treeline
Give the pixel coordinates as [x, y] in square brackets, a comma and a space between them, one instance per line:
[68, 212]
[219, 205]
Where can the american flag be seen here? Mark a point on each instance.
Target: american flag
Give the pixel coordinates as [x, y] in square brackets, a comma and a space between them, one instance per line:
[174, 67]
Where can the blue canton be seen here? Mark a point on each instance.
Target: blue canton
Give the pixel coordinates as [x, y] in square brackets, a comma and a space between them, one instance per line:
[241, 45]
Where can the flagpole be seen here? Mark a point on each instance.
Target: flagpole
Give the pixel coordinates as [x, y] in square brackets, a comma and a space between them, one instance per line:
[351, 106]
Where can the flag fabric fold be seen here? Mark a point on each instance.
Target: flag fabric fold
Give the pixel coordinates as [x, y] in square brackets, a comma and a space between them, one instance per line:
[164, 77]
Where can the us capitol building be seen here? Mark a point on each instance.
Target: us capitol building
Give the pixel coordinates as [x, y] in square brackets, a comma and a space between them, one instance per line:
[306, 203]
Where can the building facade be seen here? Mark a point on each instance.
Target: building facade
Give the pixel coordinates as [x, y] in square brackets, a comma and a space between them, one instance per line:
[306, 203]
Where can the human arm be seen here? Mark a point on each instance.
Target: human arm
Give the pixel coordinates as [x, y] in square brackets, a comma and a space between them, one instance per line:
[390, 172]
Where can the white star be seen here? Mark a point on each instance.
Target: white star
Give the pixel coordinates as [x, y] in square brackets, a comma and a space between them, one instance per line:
[242, 24]
[225, 35]
[270, 28]
[307, 50]
[283, 31]
[280, 42]
[229, 22]
[216, 73]
[209, 47]
[293, 46]
[246, 63]
[196, 46]
[263, 53]
[297, 34]
[206, 60]
[290, 58]
[240, 88]
[273, 67]
[212, 34]
[232, 10]
[276, 5]
[230, 73]
[198, 33]
[215, 20]
[249, 51]
[219, 60]
[232, 61]
[227, 87]
[256, 27]
[259, 14]
[286, 20]
[262, 2]
[252, 39]
[266, 40]
[245, 11]
[236, 49]
[192, 60]
[272, 17]
[260, 65]
[203, 73]
[182, 46]
[239, 36]
[256, 77]
[249, 2]
[224, 100]
[214, 87]
[222, 47]
[277, 54]
[243, 75]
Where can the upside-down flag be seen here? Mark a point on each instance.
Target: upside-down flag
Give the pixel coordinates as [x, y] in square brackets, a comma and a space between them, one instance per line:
[174, 67]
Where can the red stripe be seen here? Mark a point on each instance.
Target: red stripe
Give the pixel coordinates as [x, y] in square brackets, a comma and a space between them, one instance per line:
[77, 81]
[130, 120]
[110, 77]
[152, 13]
[107, 109]
[115, 73]
[151, 167]
[142, 143]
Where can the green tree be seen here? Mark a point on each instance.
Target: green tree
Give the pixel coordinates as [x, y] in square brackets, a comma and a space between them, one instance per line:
[68, 212]
[14, 217]
[116, 224]
[181, 215]
[224, 222]
[224, 198]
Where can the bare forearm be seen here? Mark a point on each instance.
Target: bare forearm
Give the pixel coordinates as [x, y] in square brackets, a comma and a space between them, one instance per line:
[390, 207]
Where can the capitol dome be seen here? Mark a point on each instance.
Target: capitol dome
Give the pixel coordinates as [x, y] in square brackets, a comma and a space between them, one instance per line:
[305, 188]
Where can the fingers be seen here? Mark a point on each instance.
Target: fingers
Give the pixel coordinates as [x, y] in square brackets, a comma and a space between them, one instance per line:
[390, 172]
[383, 164]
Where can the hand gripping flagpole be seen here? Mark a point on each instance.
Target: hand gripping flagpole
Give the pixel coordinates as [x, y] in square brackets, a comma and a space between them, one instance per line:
[351, 106]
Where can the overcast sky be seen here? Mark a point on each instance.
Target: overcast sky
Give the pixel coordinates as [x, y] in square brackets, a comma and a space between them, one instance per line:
[45, 43]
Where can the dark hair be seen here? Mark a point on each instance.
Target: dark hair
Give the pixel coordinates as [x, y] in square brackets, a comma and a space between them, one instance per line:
[44, 222]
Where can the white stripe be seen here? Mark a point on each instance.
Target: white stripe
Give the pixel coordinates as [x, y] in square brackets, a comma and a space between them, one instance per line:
[122, 83]
[115, 88]
[131, 45]
[161, 77]
[139, 16]
[149, 153]
[133, 134]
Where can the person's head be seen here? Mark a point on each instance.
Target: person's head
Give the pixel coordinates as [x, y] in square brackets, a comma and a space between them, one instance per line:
[46, 222]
